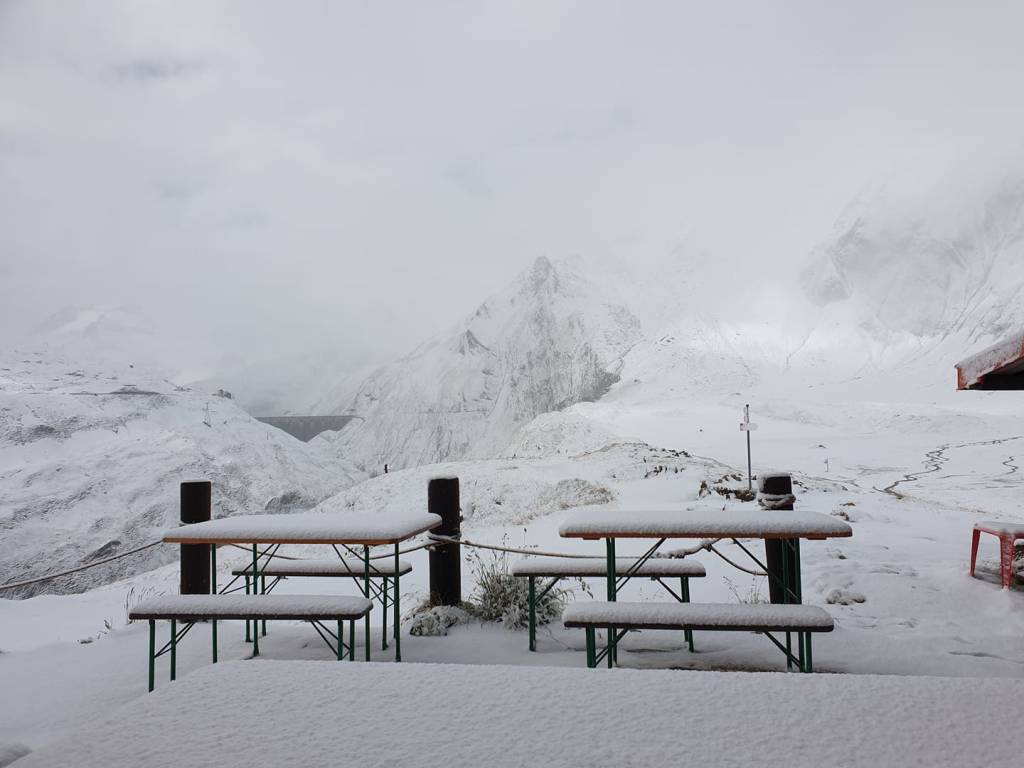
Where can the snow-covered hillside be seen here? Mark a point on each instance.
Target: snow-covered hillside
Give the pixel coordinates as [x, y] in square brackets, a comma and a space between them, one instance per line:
[91, 457]
[552, 339]
[928, 265]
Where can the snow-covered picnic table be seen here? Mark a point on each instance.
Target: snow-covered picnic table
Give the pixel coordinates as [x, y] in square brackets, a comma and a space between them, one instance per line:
[290, 713]
[337, 530]
[688, 524]
[309, 528]
[787, 526]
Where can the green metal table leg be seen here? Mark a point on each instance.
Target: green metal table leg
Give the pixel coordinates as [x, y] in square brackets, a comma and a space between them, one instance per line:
[213, 591]
[396, 598]
[610, 567]
[531, 599]
[366, 594]
[684, 592]
[591, 648]
[808, 664]
[174, 649]
[351, 639]
[384, 613]
[152, 655]
[341, 639]
[255, 583]
[787, 598]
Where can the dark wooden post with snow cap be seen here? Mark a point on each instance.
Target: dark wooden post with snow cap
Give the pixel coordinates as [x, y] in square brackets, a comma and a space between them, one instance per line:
[195, 558]
[445, 559]
[776, 492]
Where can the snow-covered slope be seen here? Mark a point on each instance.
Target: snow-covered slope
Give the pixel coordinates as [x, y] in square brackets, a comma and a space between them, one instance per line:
[91, 458]
[926, 264]
[552, 339]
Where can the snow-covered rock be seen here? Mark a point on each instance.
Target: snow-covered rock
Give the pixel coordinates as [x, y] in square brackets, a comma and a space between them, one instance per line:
[551, 339]
[91, 459]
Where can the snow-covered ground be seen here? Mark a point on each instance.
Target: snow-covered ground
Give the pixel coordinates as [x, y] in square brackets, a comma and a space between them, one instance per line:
[910, 477]
[444, 715]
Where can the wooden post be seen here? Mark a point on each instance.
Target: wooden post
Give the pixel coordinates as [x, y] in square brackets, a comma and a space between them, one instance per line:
[777, 493]
[445, 559]
[195, 558]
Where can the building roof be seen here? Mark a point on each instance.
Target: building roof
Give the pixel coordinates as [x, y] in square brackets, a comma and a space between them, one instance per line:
[1001, 366]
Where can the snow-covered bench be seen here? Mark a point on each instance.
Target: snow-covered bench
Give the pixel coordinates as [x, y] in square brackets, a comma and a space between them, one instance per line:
[558, 568]
[189, 609]
[737, 617]
[382, 569]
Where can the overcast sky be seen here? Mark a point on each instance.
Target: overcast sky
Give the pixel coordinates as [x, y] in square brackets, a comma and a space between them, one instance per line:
[283, 176]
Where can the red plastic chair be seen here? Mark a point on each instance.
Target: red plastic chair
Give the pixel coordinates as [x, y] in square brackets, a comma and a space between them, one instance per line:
[1007, 533]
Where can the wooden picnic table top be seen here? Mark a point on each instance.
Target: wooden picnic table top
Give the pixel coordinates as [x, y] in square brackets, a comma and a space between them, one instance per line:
[703, 524]
[305, 528]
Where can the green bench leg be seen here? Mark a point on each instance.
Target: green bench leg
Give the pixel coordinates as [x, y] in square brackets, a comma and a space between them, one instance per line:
[351, 639]
[248, 637]
[263, 591]
[341, 640]
[808, 664]
[214, 632]
[591, 648]
[384, 613]
[174, 649]
[532, 601]
[152, 655]
[684, 592]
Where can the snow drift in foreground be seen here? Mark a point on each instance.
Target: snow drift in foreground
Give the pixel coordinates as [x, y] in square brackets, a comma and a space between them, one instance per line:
[91, 460]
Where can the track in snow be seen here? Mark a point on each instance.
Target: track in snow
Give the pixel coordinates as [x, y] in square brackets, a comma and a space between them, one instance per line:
[935, 459]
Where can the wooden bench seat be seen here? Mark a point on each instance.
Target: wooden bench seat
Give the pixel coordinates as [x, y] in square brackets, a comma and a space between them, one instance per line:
[190, 609]
[739, 617]
[654, 568]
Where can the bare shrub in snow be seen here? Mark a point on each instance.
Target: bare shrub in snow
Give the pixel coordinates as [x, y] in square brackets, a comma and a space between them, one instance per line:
[133, 598]
[436, 620]
[500, 596]
[752, 595]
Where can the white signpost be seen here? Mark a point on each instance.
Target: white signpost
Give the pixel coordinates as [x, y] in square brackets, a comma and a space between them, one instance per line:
[748, 427]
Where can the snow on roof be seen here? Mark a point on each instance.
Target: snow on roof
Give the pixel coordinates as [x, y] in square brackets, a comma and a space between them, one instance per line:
[1000, 359]
[307, 528]
[698, 615]
[689, 524]
[598, 566]
[241, 713]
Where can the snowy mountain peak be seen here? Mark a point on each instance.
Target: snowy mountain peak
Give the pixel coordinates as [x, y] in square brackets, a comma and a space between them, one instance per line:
[553, 338]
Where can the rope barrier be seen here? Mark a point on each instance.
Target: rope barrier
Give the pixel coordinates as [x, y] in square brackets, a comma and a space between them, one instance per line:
[708, 545]
[51, 576]
[449, 540]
